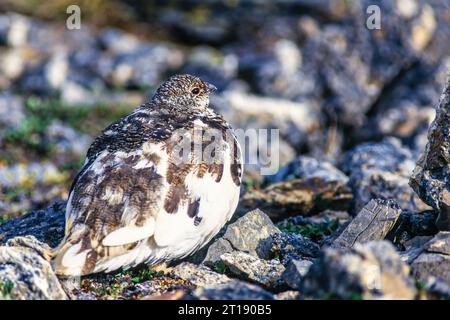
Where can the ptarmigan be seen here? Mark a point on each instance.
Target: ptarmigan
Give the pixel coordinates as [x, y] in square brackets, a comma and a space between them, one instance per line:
[134, 201]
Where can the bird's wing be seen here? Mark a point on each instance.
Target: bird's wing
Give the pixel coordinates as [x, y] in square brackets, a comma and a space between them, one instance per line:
[115, 197]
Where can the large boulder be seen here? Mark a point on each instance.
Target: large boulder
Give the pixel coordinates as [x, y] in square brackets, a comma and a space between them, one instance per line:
[431, 176]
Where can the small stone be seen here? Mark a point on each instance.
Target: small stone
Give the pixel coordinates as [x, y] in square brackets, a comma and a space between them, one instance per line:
[12, 111]
[199, 275]
[440, 243]
[252, 233]
[266, 273]
[373, 222]
[46, 225]
[434, 261]
[295, 271]
[289, 245]
[233, 290]
[414, 248]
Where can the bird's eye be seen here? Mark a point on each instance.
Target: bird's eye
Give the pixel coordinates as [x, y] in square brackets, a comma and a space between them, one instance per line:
[195, 91]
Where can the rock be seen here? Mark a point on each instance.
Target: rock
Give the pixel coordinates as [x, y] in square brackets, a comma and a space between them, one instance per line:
[282, 73]
[295, 120]
[199, 275]
[413, 248]
[30, 276]
[250, 233]
[46, 225]
[32, 173]
[142, 67]
[234, 290]
[431, 176]
[440, 243]
[381, 170]
[413, 224]
[117, 41]
[431, 265]
[434, 262]
[307, 167]
[373, 222]
[212, 66]
[14, 29]
[288, 295]
[67, 140]
[372, 270]
[295, 271]
[210, 254]
[298, 197]
[11, 110]
[288, 246]
[287, 126]
[248, 267]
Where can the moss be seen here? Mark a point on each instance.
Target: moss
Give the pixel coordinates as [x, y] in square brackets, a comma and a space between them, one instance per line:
[220, 267]
[6, 288]
[314, 231]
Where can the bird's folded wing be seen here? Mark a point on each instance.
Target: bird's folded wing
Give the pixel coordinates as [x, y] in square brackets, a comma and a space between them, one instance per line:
[129, 234]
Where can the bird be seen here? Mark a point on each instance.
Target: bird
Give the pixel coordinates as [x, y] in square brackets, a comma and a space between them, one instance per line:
[135, 201]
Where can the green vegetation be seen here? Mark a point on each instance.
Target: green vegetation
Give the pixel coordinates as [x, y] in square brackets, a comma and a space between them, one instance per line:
[314, 231]
[6, 288]
[220, 267]
[41, 112]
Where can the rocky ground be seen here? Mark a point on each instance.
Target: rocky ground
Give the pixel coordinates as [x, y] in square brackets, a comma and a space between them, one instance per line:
[360, 208]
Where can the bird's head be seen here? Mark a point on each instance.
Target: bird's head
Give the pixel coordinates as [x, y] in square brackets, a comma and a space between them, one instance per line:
[184, 91]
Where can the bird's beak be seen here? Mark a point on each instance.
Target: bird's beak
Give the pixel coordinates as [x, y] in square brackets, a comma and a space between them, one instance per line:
[211, 87]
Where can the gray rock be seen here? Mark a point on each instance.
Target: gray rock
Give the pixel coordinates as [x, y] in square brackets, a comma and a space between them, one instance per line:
[295, 271]
[372, 270]
[67, 140]
[212, 66]
[251, 233]
[413, 248]
[288, 295]
[248, 267]
[307, 167]
[11, 110]
[46, 225]
[373, 222]
[31, 275]
[14, 29]
[431, 176]
[288, 246]
[440, 243]
[413, 224]
[234, 290]
[434, 261]
[381, 170]
[199, 275]
[431, 265]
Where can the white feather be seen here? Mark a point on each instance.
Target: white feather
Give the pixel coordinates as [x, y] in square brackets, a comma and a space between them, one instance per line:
[129, 234]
